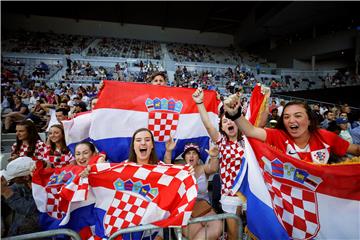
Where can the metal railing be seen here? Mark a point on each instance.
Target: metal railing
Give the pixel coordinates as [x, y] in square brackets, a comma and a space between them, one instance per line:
[44, 234]
[178, 230]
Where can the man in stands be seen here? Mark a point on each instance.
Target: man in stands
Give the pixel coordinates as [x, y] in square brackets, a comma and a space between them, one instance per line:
[158, 78]
[329, 117]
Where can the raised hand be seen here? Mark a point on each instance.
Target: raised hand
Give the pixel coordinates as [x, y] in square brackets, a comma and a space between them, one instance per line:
[198, 96]
[85, 173]
[213, 151]
[170, 144]
[232, 104]
[102, 158]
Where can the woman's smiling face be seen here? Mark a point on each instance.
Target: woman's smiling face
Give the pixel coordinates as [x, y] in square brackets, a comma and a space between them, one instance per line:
[83, 154]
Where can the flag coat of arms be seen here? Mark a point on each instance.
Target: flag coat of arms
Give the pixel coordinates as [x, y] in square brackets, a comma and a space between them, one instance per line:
[129, 194]
[123, 108]
[291, 199]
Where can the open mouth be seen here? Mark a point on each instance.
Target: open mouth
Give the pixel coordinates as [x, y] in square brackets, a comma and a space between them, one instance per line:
[143, 151]
[294, 127]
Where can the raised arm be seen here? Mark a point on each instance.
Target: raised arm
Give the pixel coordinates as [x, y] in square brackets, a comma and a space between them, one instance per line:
[169, 145]
[198, 97]
[232, 109]
[213, 164]
[354, 149]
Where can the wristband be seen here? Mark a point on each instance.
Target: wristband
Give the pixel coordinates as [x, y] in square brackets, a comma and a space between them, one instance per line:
[200, 103]
[234, 117]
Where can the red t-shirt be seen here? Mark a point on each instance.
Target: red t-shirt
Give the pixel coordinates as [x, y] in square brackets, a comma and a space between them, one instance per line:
[321, 144]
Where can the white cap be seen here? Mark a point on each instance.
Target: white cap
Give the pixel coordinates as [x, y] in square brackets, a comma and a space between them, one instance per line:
[18, 168]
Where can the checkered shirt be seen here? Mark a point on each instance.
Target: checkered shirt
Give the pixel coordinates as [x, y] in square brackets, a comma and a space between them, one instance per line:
[125, 211]
[39, 153]
[295, 208]
[58, 159]
[163, 124]
[231, 154]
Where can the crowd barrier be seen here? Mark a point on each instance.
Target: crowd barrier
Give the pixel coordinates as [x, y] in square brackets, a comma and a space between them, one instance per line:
[148, 227]
[44, 234]
[178, 231]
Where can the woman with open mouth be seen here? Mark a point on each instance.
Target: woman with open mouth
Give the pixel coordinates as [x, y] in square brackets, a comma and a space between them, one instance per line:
[142, 149]
[191, 155]
[296, 133]
[231, 148]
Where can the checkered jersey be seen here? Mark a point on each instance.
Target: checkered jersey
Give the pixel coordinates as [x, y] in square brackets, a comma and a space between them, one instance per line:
[163, 124]
[231, 154]
[58, 159]
[295, 208]
[125, 211]
[39, 153]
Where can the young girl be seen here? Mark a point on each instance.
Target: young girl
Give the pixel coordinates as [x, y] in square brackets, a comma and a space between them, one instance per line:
[209, 230]
[28, 142]
[58, 154]
[228, 140]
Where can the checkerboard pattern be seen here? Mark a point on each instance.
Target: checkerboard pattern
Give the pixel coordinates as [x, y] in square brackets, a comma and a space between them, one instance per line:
[53, 202]
[39, 153]
[163, 124]
[58, 159]
[230, 162]
[295, 208]
[125, 211]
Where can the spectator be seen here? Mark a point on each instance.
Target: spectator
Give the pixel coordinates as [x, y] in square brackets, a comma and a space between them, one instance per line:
[19, 112]
[209, 230]
[58, 155]
[273, 118]
[296, 133]
[344, 133]
[158, 78]
[316, 111]
[329, 117]
[28, 142]
[227, 137]
[18, 196]
[281, 107]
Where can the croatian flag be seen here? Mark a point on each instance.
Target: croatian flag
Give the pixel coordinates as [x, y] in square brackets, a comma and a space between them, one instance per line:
[292, 199]
[56, 211]
[123, 108]
[129, 194]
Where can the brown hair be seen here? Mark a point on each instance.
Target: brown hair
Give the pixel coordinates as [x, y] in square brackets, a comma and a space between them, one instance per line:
[64, 148]
[157, 74]
[221, 116]
[153, 159]
[89, 144]
[312, 118]
[33, 137]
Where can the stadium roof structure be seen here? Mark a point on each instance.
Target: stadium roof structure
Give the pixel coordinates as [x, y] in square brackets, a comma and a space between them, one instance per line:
[260, 20]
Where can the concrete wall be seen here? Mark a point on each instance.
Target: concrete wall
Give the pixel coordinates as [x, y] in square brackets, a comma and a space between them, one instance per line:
[284, 55]
[133, 31]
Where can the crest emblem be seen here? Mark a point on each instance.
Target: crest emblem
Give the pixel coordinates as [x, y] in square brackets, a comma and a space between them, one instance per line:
[295, 207]
[163, 117]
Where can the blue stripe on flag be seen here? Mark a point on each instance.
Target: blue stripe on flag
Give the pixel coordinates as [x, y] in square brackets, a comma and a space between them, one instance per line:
[117, 149]
[261, 219]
